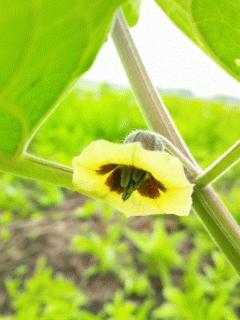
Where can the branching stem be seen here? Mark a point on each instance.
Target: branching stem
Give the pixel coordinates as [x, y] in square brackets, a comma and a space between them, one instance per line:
[214, 215]
[220, 166]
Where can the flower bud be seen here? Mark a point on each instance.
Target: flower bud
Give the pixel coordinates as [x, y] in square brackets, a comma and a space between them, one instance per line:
[149, 140]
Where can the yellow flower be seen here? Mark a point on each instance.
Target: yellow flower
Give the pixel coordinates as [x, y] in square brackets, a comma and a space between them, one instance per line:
[134, 180]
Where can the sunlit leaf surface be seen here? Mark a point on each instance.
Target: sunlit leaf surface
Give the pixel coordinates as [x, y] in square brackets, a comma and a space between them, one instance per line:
[213, 25]
[44, 46]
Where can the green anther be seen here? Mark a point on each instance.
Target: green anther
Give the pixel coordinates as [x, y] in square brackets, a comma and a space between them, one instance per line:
[138, 175]
[127, 192]
[131, 179]
[125, 176]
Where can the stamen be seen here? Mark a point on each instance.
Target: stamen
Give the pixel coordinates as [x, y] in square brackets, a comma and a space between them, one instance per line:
[138, 175]
[126, 179]
[126, 174]
[131, 179]
[127, 192]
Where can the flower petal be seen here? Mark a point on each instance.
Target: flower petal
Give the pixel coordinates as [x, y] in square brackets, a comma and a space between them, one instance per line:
[136, 205]
[88, 182]
[165, 168]
[174, 201]
[102, 152]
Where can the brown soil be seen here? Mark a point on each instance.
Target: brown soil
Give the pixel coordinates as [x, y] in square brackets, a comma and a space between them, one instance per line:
[51, 237]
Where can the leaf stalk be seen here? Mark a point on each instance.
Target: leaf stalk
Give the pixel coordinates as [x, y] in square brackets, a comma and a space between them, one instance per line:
[225, 162]
[33, 167]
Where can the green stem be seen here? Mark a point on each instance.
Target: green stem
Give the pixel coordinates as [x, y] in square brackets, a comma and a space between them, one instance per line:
[36, 168]
[157, 116]
[220, 166]
[214, 215]
[219, 223]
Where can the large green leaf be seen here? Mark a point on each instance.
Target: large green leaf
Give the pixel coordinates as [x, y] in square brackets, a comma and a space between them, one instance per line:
[213, 25]
[44, 46]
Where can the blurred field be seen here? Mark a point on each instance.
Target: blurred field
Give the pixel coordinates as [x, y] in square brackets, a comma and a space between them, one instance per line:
[66, 257]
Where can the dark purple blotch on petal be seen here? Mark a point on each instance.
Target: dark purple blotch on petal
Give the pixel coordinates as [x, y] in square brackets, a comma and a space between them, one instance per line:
[149, 187]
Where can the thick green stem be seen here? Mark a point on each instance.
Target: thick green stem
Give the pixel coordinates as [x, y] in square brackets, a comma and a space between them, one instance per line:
[36, 168]
[219, 223]
[214, 215]
[220, 166]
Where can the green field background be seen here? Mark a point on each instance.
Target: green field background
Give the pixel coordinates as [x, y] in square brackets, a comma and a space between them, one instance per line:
[66, 257]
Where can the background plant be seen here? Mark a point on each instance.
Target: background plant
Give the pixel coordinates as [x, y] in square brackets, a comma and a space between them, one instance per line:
[39, 223]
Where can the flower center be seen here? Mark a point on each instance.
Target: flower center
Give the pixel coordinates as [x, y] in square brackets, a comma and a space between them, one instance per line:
[131, 179]
[126, 179]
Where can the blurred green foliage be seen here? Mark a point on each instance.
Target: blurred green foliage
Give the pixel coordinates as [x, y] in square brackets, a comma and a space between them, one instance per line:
[107, 249]
[46, 297]
[107, 113]
[121, 309]
[158, 251]
[171, 269]
[199, 297]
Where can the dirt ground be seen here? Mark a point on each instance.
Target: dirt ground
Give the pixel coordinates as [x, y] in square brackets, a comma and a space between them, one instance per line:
[51, 237]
